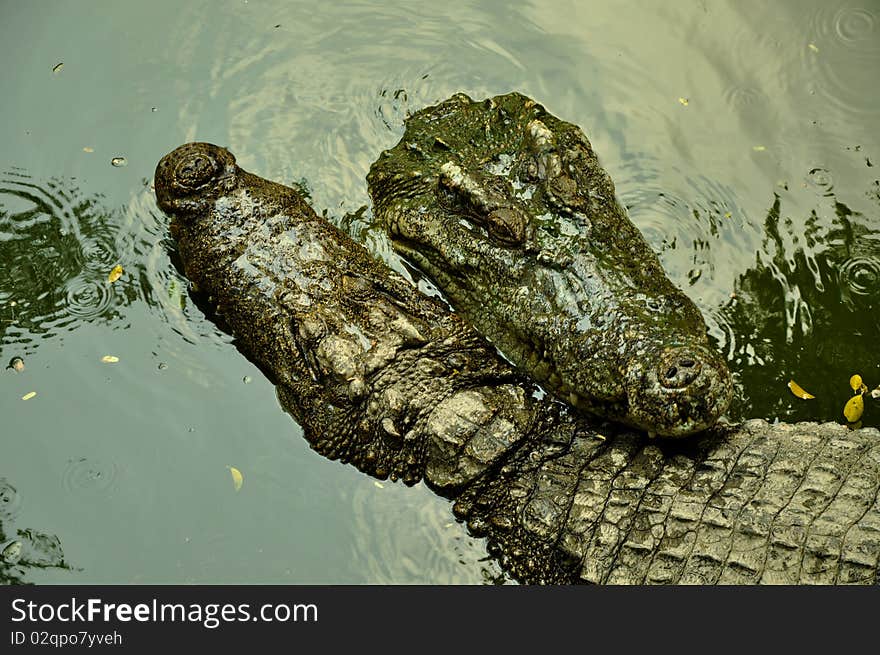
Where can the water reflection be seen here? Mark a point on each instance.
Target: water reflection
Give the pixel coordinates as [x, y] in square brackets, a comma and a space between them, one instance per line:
[435, 543]
[23, 550]
[57, 246]
[808, 311]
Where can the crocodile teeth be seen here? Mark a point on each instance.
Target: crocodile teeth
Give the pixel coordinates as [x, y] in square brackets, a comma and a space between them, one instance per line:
[408, 331]
[388, 426]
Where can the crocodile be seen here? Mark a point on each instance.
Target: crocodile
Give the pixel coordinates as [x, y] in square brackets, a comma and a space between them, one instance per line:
[506, 208]
[387, 379]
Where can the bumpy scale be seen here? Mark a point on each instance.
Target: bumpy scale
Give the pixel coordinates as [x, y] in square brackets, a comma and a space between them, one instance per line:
[387, 379]
[507, 209]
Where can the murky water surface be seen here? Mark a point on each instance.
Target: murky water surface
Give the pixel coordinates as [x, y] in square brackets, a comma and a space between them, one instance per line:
[742, 136]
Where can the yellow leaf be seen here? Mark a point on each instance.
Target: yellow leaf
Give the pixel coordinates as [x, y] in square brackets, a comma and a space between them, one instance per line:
[237, 478]
[798, 391]
[87, 149]
[854, 408]
[378, 484]
[29, 395]
[812, 46]
[683, 101]
[857, 385]
[759, 148]
[109, 359]
[115, 274]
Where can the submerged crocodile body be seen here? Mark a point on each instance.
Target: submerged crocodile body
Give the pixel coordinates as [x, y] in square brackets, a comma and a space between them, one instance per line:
[507, 209]
[386, 379]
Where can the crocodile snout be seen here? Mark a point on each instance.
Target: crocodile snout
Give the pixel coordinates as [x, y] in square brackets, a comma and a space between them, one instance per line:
[677, 390]
[678, 368]
[190, 175]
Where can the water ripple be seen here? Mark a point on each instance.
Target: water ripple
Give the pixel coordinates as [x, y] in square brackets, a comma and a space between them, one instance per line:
[741, 96]
[87, 298]
[861, 275]
[857, 27]
[57, 246]
[425, 543]
[701, 233]
[843, 57]
[10, 501]
[89, 475]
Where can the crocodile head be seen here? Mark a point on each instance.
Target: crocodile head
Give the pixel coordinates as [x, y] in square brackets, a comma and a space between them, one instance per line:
[507, 209]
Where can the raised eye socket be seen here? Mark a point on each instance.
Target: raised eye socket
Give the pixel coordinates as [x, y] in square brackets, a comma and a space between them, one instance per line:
[195, 171]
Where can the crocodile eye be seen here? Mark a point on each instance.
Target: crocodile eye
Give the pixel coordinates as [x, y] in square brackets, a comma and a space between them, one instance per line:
[195, 170]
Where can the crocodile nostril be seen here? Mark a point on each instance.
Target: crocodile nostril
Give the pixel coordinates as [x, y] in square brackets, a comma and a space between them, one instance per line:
[195, 170]
[678, 368]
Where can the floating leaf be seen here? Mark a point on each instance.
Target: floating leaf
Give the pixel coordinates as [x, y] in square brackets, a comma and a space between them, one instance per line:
[16, 364]
[29, 395]
[683, 101]
[109, 359]
[759, 148]
[727, 215]
[857, 385]
[798, 391]
[378, 484]
[87, 149]
[115, 274]
[812, 46]
[12, 553]
[854, 408]
[57, 67]
[119, 162]
[237, 478]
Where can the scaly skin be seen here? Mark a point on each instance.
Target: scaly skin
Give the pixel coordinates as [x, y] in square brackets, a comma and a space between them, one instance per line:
[387, 379]
[507, 209]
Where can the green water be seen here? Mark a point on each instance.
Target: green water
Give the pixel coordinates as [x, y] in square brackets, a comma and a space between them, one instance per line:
[743, 137]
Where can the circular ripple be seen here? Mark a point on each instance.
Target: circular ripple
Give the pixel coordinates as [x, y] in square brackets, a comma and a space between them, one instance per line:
[744, 97]
[85, 475]
[99, 254]
[857, 27]
[10, 500]
[846, 57]
[87, 298]
[861, 276]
